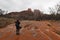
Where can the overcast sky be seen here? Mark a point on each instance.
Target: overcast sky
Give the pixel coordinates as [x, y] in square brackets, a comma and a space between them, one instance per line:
[18, 5]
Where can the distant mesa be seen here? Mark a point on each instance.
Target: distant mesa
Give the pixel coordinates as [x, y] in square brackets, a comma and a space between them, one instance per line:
[25, 14]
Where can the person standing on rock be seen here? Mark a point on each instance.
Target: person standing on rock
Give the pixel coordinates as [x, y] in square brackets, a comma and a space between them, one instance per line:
[17, 23]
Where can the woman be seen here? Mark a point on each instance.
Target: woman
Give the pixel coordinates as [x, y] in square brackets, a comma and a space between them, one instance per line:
[17, 23]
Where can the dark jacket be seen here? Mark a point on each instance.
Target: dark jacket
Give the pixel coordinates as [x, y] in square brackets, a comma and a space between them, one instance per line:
[17, 23]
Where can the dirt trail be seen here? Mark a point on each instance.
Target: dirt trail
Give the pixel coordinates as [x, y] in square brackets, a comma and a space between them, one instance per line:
[31, 30]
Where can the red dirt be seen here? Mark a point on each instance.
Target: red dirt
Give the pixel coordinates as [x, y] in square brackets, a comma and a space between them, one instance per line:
[31, 30]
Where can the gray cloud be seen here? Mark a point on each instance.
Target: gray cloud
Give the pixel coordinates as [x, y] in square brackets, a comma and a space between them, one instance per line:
[17, 5]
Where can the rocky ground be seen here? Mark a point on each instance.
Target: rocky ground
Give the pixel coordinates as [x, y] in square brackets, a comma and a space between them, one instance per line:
[32, 30]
